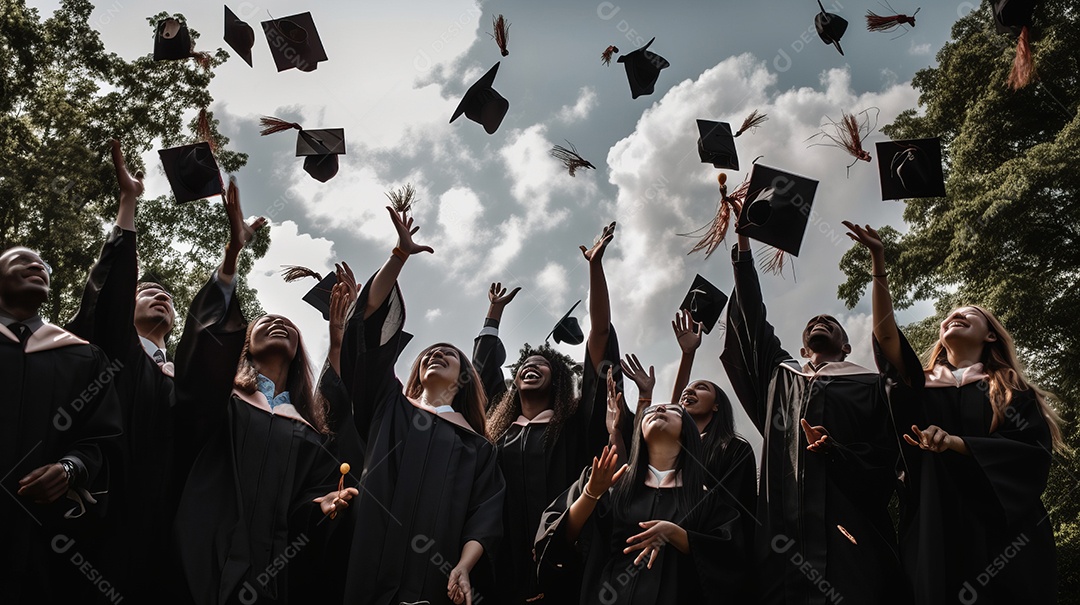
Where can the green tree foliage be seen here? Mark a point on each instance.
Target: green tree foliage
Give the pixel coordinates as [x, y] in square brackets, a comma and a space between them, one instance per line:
[62, 97]
[1008, 234]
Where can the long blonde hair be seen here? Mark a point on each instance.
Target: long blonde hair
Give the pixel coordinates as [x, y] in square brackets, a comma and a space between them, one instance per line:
[1006, 374]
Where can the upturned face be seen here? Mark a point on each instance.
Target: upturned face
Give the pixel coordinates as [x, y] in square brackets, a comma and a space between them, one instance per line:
[534, 374]
[661, 421]
[274, 335]
[823, 334]
[699, 399]
[966, 325]
[154, 307]
[440, 364]
[23, 276]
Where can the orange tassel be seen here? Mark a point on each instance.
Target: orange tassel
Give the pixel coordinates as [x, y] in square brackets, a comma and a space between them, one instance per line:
[878, 23]
[775, 264]
[1023, 68]
[203, 129]
[273, 125]
[715, 232]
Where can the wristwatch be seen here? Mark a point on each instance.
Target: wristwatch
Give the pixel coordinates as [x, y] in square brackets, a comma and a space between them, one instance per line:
[69, 469]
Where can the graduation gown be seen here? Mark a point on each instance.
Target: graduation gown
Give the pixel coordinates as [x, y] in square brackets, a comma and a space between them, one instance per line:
[246, 509]
[58, 400]
[610, 577]
[825, 531]
[429, 484]
[973, 528]
[143, 501]
[535, 475]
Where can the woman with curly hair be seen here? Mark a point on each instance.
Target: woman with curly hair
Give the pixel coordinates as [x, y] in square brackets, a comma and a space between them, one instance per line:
[972, 526]
[545, 434]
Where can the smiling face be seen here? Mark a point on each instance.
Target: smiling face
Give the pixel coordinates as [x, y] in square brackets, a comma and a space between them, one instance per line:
[274, 335]
[154, 311]
[699, 399]
[661, 421]
[440, 364]
[824, 335]
[534, 374]
[24, 278]
[965, 326]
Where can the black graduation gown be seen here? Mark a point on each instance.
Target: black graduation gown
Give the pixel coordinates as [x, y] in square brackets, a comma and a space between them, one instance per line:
[610, 577]
[805, 498]
[428, 486]
[58, 400]
[139, 519]
[536, 475]
[973, 528]
[246, 509]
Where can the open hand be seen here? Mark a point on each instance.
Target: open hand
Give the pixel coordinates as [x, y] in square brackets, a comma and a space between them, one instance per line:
[866, 236]
[498, 296]
[131, 187]
[633, 370]
[597, 251]
[615, 406]
[687, 331]
[240, 232]
[816, 436]
[605, 472]
[403, 223]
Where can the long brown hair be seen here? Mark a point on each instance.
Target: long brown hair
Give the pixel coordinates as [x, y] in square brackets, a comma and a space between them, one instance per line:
[563, 398]
[1006, 374]
[469, 401]
[299, 382]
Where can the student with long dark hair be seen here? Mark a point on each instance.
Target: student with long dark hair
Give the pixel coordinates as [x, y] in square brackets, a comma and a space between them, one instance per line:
[973, 527]
[649, 531]
[430, 515]
[546, 434]
[249, 441]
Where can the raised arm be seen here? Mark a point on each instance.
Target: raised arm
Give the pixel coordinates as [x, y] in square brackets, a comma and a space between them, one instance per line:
[599, 302]
[688, 333]
[885, 329]
[489, 354]
[384, 280]
[342, 298]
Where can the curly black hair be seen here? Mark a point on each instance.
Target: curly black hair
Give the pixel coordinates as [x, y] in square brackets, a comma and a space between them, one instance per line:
[564, 398]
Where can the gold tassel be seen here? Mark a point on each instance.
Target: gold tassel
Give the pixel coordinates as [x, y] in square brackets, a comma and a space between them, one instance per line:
[401, 200]
[753, 120]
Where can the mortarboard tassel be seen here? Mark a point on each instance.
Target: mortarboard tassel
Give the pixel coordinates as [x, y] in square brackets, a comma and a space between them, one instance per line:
[1023, 68]
[716, 231]
[502, 33]
[849, 133]
[292, 273]
[753, 120]
[203, 59]
[401, 200]
[344, 469]
[605, 57]
[570, 158]
[203, 130]
[878, 23]
[272, 125]
[775, 263]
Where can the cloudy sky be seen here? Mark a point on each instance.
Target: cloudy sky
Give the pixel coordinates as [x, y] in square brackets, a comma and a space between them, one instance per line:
[497, 207]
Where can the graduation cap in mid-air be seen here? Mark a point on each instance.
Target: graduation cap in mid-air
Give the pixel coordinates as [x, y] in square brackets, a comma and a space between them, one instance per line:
[643, 69]
[910, 169]
[239, 36]
[319, 147]
[777, 208]
[568, 330]
[172, 40]
[192, 171]
[705, 302]
[319, 295]
[716, 145]
[483, 104]
[1011, 16]
[830, 27]
[294, 42]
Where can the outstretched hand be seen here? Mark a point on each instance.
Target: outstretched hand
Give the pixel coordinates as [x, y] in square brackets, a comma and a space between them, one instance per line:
[816, 436]
[597, 251]
[605, 472]
[240, 232]
[131, 187]
[866, 236]
[615, 405]
[403, 223]
[687, 331]
[633, 370]
[498, 296]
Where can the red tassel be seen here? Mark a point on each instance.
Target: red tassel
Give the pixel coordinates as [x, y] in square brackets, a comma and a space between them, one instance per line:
[203, 59]
[879, 23]
[502, 33]
[716, 231]
[273, 125]
[775, 264]
[203, 130]
[1023, 68]
[605, 57]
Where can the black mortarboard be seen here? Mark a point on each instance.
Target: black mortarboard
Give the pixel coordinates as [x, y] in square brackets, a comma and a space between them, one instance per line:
[716, 145]
[483, 104]
[1010, 16]
[910, 169]
[319, 296]
[239, 35]
[643, 69]
[172, 40]
[830, 27]
[568, 330]
[294, 42]
[192, 171]
[705, 302]
[777, 208]
[321, 149]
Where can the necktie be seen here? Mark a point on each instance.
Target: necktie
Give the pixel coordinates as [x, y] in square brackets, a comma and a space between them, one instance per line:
[159, 357]
[22, 331]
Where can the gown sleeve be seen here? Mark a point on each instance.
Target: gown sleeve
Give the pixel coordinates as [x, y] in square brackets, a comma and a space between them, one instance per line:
[368, 354]
[719, 546]
[553, 550]
[489, 355]
[106, 315]
[484, 519]
[751, 349]
[592, 409]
